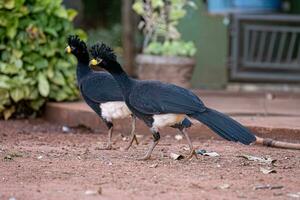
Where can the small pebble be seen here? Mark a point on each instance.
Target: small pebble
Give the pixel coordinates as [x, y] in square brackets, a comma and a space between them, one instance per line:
[66, 129]
[178, 137]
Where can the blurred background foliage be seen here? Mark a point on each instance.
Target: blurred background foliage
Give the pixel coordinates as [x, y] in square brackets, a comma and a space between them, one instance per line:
[101, 19]
[34, 68]
[33, 64]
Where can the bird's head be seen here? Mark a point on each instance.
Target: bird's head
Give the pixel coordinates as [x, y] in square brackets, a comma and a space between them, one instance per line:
[102, 56]
[76, 47]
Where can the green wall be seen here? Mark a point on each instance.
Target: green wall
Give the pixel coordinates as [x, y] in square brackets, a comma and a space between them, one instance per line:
[210, 36]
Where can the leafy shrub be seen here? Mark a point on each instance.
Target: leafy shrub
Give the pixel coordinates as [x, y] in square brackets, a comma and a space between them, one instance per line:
[171, 48]
[160, 19]
[33, 65]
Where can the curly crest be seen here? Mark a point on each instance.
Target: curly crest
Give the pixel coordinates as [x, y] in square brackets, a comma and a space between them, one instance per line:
[103, 51]
[74, 41]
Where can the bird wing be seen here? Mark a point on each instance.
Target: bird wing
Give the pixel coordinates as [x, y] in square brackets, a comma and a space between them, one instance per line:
[101, 87]
[154, 97]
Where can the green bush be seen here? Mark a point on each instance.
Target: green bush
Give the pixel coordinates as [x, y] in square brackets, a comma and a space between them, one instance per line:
[33, 65]
[160, 19]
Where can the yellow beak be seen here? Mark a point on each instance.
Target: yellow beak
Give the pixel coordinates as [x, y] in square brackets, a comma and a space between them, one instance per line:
[93, 62]
[68, 49]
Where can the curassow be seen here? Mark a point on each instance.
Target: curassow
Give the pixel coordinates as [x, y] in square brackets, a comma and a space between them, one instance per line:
[159, 104]
[99, 90]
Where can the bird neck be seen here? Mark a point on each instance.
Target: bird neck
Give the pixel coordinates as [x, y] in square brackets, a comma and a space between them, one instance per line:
[82, 70]
[121, 77]
[82, 56]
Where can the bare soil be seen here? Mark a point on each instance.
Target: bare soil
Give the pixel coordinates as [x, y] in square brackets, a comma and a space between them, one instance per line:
[40, 161]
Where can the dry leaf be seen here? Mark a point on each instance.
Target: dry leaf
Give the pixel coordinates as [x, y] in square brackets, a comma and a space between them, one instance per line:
[258, 159]
[267, 171]
[175, 156]
[205, 153]
[263, 187]
[224, 186]
[211, 154]
[153, 165]
[178, 137]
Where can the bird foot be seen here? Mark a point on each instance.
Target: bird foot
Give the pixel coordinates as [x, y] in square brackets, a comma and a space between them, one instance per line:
[192, 154]
[130, 143]
[126, 148]
[108, 147]
[146, 157]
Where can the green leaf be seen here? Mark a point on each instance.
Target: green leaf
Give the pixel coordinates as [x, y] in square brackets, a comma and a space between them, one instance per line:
[2, 108]
[43, 85]
[50, 73]
[61, 96]
[30, 67]
[177, 14]
[33, 94]
[61, 12]
[4, 82]
[71, 14]
[37, 104]
[58, 78]
[17, 94]
[62, 64]
[154, 48]
[41, 63]
[81, 34]
[17, 53]
[18, 63]
[51, 31]
[138, 7]
[4, 94]
[157, 3]
[5, 55]
[9, 4]
[3, 19]
[12, 26]
[8, 68]
[8, 112]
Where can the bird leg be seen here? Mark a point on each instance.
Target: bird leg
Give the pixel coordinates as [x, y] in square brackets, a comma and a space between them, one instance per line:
[192, 150]
[132, 135]
[156, 137]
[109, 143]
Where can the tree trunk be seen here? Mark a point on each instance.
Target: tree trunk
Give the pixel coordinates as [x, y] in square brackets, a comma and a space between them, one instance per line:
[128, 27]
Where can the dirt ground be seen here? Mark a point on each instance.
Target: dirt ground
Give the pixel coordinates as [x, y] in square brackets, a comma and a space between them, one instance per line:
[40, 161]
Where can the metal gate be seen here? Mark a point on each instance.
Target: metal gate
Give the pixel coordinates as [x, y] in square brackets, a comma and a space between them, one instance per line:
[265, 48]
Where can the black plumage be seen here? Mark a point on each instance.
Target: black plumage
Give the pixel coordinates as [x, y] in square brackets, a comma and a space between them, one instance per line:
[150, 99]
[96, 88]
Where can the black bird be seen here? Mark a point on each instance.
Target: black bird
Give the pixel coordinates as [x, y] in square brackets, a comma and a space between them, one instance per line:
[159, 104]
[99, 90]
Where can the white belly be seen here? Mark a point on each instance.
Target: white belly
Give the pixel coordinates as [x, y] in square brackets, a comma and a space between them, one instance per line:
[164, 120]
[114, 110]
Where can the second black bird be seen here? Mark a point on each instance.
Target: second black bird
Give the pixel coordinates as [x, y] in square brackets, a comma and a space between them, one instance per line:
[159, 104]
[99, 90]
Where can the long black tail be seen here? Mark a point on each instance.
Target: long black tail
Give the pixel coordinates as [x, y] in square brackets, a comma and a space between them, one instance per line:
[225, 126]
